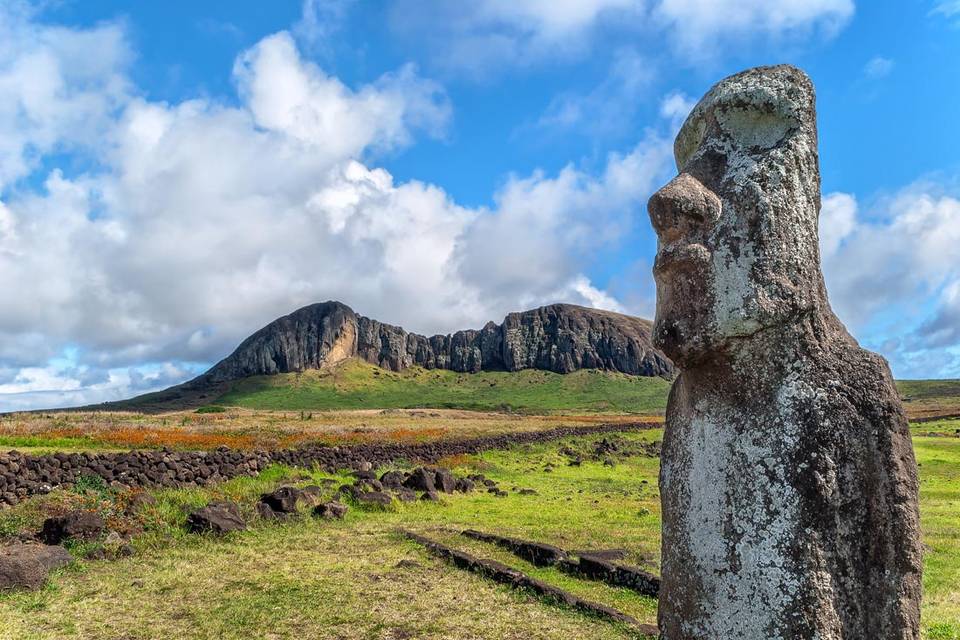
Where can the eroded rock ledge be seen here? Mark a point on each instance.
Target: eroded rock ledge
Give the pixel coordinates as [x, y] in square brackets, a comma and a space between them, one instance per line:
[560, 338]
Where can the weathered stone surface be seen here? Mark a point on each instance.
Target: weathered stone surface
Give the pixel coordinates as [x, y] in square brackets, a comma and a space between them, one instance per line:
[445, 481]
[537, 553]
[421, 480]
[559, 337]
[788, 480]
[76, 525]
[282, 500]
[216, 517]
[25, 566]
[375, 498]
[392, 479]
[332, 510]
[50, 556]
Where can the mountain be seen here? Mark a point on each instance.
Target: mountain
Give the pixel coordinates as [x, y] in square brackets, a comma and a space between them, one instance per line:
[561, 338]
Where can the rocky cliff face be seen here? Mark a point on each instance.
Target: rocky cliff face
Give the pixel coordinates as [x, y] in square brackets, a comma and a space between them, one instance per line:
[559, 337]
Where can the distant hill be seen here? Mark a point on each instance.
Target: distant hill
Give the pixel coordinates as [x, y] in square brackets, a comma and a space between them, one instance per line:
[357, 384]
[559, 338]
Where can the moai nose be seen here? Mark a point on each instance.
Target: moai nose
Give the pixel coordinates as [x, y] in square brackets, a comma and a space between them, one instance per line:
[683, 205]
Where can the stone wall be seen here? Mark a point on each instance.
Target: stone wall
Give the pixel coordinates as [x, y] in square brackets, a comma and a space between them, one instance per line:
[23, 475]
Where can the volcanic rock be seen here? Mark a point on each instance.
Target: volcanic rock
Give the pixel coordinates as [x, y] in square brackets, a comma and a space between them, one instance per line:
[25, 566]
[331, 510]
[75, 525]
[421, 480]
[216, 517]
[788, 481]
[282, 500]
[560, 338]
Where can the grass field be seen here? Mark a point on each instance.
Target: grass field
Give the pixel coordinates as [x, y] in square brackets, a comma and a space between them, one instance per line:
[359, 579]
[928, 398]
[355, 384]
[249, 429]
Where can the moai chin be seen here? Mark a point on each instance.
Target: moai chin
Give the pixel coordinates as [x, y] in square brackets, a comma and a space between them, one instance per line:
[788, 481]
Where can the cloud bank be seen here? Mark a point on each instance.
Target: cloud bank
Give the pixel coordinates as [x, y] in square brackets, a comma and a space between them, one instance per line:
[188, 225]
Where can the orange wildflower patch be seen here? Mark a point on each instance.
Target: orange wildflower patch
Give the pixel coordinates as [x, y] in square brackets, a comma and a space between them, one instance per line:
[154, 438]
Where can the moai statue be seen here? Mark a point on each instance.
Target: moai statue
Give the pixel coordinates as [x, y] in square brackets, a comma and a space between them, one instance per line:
[788, 481]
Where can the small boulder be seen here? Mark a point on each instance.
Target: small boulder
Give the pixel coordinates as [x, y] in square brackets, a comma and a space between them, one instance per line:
[50, 556]
[351, 490]
[267, 513]
[96, 553]
[216, 517]
[369, 485]
[464, 485]
[444, 481]
[332, 510]
[283, 500]
[421, 480]
[376, 498]
[406, 495]
[75, 525]
[393, 479]
[431, 496]
[311, 495]
[138, 501]
[21, 573]
[25, 566]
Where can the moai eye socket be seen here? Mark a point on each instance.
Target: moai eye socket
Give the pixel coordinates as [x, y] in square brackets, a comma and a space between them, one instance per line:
[755, 127]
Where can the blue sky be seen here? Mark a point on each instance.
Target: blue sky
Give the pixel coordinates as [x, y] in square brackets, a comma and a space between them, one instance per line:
[174, 175]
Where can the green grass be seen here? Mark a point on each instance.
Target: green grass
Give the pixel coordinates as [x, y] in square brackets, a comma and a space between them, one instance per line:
[358, 579]
[355, 384]
[925, 389]
[39, 444]
[939, 460]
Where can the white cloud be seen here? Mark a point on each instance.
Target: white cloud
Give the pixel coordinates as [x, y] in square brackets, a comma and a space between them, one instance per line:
[293, 97]
[675, 107]
[947, 8]
[697, 27]
[201, 222]
[878, 67]
[608, 107]
[319, 21]
[59, 88]
[483, 35]
[885, 270]
[488, 33]
[838, 219]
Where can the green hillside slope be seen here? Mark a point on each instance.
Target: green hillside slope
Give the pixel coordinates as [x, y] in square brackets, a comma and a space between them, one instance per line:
[355, 384]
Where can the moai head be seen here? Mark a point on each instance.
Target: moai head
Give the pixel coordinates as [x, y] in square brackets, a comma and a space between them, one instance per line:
[737, 228]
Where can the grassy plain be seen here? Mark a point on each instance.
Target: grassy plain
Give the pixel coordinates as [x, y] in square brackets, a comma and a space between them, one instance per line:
[355, 384]
[358, 579]
[253, 428]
